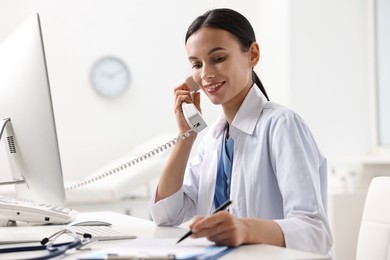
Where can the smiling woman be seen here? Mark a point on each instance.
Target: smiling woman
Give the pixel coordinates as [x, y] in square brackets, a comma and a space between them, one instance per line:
[258, 154]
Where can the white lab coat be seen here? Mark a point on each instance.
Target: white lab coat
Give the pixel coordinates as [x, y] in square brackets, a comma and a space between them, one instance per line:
[278, 173]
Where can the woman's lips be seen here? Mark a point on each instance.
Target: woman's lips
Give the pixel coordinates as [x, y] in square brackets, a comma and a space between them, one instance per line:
[214, 87]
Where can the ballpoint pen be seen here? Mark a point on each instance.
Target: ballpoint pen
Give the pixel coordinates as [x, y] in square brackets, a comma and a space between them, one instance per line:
[220, 208]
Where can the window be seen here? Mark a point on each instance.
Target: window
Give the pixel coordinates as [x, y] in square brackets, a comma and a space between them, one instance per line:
[382, 64]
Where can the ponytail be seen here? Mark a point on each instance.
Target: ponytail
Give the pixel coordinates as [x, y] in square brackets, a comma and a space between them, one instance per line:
[259, 84]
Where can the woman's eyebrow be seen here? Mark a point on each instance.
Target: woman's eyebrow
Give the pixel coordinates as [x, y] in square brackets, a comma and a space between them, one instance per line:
[215, 49]
[208, 53]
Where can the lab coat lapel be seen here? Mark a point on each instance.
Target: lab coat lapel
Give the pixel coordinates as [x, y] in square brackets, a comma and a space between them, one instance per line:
[209, 170]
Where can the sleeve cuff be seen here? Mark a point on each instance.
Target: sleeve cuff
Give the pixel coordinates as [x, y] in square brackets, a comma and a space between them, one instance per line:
[162, 210]
[305, 234]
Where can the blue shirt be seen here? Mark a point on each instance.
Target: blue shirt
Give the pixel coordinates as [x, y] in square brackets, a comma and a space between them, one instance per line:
[224, 172]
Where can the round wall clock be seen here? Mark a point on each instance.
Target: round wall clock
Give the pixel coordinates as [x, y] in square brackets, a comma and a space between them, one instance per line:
[110, 77]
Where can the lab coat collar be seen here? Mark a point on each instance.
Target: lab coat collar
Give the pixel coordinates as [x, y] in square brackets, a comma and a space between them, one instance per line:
[247, 115]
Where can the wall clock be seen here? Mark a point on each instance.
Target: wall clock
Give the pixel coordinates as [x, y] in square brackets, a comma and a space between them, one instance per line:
[110, 76]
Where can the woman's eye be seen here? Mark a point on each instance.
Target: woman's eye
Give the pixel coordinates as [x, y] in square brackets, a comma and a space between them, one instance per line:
[196, 66]
[219, 59]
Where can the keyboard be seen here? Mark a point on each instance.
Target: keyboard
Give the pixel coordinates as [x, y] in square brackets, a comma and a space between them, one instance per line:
[35, 212]
[102, 233]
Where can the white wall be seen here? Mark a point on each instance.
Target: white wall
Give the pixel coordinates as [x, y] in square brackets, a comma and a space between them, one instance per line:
[329, 72]
[314, 59]
[148, 35]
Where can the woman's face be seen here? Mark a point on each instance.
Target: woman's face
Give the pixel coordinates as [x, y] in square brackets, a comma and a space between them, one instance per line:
[219, 66]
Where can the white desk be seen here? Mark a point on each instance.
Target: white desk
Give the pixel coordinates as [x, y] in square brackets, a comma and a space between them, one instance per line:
[147, 229]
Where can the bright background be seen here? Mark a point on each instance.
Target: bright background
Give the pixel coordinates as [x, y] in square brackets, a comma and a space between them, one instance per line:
[315, 58]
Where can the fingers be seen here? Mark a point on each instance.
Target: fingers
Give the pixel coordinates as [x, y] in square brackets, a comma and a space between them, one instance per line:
[222, 228]
[183, 89]
[210, 221]
[196, 220]
[183, 93]
[196, 100]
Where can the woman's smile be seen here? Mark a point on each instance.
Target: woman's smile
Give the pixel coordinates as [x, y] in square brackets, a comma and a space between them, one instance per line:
[214, 87]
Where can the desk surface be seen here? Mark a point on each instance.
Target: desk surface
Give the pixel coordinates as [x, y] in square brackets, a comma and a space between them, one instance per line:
[147, 229]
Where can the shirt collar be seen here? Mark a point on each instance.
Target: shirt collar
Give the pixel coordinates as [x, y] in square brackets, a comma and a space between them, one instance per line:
[247, 115]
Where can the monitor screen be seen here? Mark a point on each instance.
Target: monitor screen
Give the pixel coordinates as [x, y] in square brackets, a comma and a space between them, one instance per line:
[30, 134]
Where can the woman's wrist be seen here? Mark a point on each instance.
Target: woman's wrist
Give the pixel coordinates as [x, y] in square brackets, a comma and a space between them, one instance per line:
[262, 231]
[189, 136]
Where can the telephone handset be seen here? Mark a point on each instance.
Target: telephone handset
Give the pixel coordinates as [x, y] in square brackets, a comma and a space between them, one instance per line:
[191, 113]
[194, 120]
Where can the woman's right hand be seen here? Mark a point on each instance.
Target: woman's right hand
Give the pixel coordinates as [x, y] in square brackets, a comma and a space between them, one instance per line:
[171, 179]
[183, 94]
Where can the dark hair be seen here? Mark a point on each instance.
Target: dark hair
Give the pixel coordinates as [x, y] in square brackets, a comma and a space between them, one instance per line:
[232, 22]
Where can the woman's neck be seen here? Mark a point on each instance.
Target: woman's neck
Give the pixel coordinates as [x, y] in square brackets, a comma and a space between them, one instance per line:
[231, 108]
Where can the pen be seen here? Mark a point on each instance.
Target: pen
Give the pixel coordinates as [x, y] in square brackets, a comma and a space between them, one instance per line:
[221, 207]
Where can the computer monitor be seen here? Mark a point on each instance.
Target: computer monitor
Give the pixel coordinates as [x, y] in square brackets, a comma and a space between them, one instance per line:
[26, 107]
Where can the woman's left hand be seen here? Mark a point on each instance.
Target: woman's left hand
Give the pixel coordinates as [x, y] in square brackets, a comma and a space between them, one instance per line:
[221, 228]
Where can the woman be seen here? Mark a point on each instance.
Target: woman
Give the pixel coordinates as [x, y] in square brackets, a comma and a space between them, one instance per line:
[259, 154]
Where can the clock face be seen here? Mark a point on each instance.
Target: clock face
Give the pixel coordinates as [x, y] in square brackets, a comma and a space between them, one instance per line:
[110, 77]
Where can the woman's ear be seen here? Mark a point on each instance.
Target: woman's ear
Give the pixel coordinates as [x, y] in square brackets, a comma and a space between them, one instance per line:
[254, 54]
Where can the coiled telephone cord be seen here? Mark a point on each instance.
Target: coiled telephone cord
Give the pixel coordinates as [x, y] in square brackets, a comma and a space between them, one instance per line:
[128, 164]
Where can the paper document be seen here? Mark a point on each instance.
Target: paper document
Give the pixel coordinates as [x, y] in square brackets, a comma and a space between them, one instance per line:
[164, 248]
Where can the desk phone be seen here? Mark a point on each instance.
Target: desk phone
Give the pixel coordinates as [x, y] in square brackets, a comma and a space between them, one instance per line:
[31, 211]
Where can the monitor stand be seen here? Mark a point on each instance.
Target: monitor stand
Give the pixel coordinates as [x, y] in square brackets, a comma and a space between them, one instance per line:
[3, 124]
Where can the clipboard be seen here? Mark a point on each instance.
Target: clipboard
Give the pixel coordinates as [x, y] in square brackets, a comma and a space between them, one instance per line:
[161, 249]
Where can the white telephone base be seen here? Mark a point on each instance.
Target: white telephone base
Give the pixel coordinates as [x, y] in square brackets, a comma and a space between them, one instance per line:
[193, 117]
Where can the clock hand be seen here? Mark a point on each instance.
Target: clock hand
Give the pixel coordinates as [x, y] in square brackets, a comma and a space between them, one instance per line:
[120, 70]
[111, 74]
[106, 74]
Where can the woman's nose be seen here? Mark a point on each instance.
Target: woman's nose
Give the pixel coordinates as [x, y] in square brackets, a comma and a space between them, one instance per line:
[207, 72]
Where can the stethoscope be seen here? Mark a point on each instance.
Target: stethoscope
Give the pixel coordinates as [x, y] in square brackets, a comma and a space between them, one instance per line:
[53, 250]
